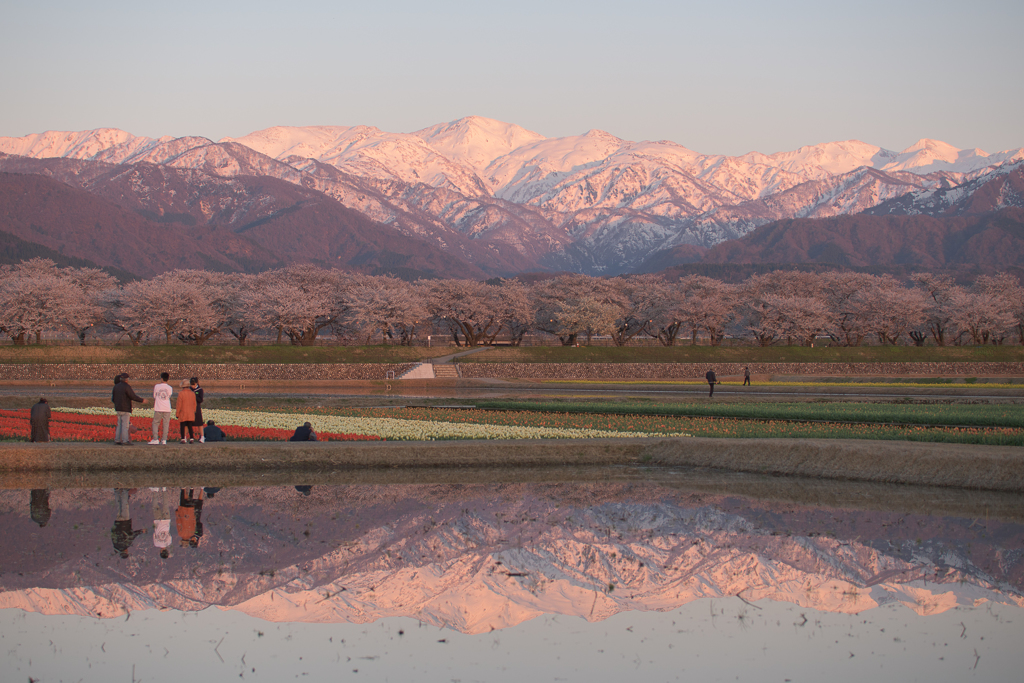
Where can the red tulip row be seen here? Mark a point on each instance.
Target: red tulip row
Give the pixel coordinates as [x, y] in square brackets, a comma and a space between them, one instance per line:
[78, 427]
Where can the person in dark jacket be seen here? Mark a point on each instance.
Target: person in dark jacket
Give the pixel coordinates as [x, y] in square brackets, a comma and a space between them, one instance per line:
[712, 379]
[123, 396]
[304, 433]
[39, 419]
[213, 432]
[193, 384]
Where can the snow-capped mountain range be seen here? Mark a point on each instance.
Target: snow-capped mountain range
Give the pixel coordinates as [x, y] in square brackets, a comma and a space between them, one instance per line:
[508, 199]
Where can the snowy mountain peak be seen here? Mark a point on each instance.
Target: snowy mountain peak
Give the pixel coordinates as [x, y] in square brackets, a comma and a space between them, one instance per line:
[475, 140]
[85, 144]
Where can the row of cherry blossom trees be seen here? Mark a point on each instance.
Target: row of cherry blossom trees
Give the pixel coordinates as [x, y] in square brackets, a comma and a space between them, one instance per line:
[302, 303]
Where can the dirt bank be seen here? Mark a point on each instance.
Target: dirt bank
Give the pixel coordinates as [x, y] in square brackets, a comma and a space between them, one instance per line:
[993, 468]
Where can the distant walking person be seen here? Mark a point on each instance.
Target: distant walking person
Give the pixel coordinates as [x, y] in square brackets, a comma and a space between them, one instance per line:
[39, 419]
[185, 411]
[123, 396]
[304, 433]
[162, 393]
[712, 381]
[746, 376]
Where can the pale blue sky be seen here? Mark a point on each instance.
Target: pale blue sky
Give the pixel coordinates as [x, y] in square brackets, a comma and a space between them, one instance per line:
[715, 77]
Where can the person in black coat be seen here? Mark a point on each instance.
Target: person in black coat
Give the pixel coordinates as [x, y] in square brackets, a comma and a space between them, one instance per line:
[304, 433]
[39, 419]
[123, 396]
[712, 381]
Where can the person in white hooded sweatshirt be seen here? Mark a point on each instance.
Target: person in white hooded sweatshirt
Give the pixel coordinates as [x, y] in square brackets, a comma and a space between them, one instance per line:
[162, 408]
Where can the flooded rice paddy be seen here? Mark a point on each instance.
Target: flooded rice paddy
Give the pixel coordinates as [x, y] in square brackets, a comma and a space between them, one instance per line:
[624, 575]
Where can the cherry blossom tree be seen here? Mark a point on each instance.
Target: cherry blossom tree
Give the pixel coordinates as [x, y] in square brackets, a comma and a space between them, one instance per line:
[387, 306]
[644, 298]
[83, 308]
[299, 301]
[794, 317]
[29, 303]
[705, 304]
[986, 317]
[568, 306]
[1007, 289]
[761, 296]
[464, 307]
[939, 291]
[892, 310]
[847, 315]
[515, 309]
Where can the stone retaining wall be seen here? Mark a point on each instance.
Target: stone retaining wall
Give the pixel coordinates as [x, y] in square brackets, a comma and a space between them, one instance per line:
[205, 371]
[626, 371]
[611, 371]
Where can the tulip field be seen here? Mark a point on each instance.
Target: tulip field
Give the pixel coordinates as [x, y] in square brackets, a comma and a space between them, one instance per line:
[623, 422]
[566, 421]
[98, 425]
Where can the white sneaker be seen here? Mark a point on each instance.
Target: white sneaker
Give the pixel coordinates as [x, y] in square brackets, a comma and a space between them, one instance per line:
[154, 442]
[202, 439]
[163, 443]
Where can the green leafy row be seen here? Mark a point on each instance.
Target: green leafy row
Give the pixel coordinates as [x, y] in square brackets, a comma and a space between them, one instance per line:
[981, 415]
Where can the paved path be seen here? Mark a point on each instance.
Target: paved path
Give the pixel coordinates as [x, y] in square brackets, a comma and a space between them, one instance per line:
[489, 389]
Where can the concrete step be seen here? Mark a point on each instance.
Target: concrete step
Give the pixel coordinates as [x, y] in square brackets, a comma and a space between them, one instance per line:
[446, 371]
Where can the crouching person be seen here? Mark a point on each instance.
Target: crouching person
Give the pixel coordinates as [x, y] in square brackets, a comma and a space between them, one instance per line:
[213, 432]
[304, 433]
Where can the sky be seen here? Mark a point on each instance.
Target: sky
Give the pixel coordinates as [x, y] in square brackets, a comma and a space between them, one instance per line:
[718, 78]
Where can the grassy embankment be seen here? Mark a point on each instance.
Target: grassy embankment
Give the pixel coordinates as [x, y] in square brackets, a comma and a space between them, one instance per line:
[177, 353]
[218, 354]
[749, 354]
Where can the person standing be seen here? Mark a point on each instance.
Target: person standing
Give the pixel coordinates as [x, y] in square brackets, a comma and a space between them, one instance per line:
[39, 419]
[193, 384]
[162, 393]
[746, 376]
[123, 396]
[712, 381]
[185, 411]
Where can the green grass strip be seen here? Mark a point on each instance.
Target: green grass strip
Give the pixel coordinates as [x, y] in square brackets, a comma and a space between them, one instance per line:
[931, 414]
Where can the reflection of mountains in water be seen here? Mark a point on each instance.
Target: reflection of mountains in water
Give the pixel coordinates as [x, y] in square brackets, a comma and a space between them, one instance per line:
[491, 556]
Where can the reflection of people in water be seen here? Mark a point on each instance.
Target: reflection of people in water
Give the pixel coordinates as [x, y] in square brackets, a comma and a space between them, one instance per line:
[39, 506]
[188, 517]
[122, 535]
[162, 501]
[304, 489]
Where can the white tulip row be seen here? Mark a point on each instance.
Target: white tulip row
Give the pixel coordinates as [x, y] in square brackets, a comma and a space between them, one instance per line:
[390, 428]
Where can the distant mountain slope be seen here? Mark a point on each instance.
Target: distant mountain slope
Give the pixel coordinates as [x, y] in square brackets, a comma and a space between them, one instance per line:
[991, 239]
[249, 224]
[508, 199]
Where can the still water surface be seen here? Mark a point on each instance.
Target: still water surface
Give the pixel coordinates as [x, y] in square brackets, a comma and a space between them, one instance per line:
[650, 580]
